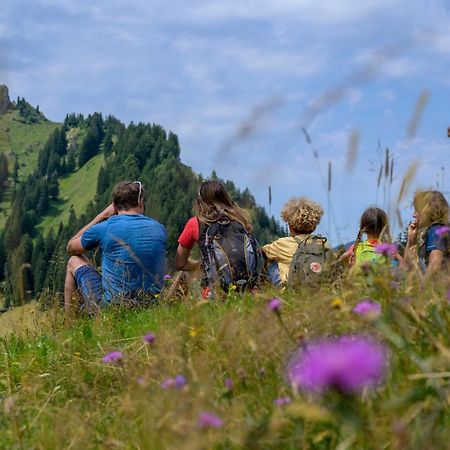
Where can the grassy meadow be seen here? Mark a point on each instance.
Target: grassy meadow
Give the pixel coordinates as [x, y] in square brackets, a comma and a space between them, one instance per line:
[57, 392]
[25, 141]
[75, 191]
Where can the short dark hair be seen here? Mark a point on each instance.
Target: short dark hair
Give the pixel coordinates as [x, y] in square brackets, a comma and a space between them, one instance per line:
[374, 220]
[125, 195]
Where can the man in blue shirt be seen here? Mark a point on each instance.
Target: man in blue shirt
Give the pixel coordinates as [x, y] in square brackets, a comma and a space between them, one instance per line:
[133, 250]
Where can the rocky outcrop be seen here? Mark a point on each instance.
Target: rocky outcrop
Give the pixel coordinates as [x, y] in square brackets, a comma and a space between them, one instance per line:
[5, 102]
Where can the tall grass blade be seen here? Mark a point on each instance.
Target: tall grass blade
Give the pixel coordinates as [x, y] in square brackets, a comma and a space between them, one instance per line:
[352, 151]
[421, 104]
[407, 180]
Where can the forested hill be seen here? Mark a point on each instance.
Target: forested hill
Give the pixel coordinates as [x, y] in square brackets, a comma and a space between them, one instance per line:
[72, 181]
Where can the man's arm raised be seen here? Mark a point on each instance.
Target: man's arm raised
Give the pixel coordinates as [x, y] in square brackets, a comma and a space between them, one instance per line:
[74, 246]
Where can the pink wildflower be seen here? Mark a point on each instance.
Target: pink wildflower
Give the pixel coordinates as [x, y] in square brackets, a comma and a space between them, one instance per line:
[228, 382]
[347, 363]
[442, 231]
[281, 401]
[274, 305]
[209, 420]
[386, 249]
[113, 357]
[367, 308]
[149, 338]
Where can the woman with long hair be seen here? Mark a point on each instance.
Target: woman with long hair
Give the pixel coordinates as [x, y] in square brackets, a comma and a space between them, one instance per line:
[428, 233]
[213, 205]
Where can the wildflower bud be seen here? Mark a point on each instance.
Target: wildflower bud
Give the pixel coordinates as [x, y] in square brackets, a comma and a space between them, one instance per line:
[149, 338]
[113, 357]
[209, 420]
[274, 305]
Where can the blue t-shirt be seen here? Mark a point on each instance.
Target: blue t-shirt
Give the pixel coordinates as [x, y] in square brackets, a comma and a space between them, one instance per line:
[433, 242]
[133, 254]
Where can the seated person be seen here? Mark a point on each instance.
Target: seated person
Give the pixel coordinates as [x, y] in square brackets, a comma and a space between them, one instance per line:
[374, 224]
[302, 216]
[428, 234]
[212, 205]
[133, 253]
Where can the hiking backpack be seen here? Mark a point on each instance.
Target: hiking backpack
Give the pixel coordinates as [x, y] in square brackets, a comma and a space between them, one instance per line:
[365, 254]
[310, 261]
[229, 255]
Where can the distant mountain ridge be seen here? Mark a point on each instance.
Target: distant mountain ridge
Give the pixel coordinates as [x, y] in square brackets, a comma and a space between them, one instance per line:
[23, 132]
[5, 101]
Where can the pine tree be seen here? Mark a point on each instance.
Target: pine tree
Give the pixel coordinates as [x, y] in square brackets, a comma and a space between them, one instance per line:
[102, 181]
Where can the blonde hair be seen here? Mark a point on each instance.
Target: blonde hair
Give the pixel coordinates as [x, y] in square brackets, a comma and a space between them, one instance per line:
[431, 206]
[213, 201]
[302, 214]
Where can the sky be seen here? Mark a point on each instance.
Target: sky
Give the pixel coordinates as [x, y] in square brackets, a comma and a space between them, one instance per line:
[268, 92]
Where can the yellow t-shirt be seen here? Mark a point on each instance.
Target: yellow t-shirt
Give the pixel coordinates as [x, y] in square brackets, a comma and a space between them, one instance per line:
[282, 251]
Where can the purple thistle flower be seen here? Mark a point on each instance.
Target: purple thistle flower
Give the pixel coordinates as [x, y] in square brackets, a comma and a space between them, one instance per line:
[347, 363]
[386, 249]
[274, 305]
[113, 357]
[167, 277]
[367, 308]
[180, 381]
[228, 382]
[209, 420]
[168, 383]
[442, 231]
[140, 380]
[149, 338]
[281, 401]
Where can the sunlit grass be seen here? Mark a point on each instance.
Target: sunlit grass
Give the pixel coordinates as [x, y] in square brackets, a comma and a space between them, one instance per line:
[58, 392]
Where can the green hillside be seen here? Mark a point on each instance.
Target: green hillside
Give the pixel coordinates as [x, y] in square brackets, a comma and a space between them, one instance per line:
[75, 191]
[74, 174]
[24, 139]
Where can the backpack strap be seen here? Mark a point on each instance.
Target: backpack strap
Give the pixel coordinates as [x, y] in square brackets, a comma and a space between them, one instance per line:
[314, 237]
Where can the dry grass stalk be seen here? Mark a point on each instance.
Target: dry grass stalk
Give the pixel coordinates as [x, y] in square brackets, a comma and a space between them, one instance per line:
[329, 176]
[418, 113]
[407, 180]
[352, 151]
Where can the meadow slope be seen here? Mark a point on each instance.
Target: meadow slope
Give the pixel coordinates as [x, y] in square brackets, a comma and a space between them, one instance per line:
[59, 393]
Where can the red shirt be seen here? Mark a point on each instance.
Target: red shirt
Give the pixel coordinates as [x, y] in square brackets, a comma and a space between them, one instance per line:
[190, 234]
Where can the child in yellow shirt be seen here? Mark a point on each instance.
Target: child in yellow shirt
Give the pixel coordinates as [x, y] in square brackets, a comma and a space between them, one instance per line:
[302, 216]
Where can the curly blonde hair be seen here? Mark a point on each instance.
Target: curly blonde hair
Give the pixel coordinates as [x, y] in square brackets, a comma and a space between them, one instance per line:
[302, 214]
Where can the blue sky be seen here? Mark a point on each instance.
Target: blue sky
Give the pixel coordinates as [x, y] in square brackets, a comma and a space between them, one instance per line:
[237, 81]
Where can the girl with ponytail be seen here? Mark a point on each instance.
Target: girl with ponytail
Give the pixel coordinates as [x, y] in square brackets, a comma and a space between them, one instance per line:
[373, 224]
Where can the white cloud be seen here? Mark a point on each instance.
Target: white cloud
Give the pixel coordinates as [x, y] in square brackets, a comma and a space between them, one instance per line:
[325, 12]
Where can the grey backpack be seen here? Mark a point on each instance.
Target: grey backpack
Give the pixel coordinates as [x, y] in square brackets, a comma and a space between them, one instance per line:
[309, 264]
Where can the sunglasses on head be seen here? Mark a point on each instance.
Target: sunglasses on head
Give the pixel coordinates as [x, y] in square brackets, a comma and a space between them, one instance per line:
[140, 190]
